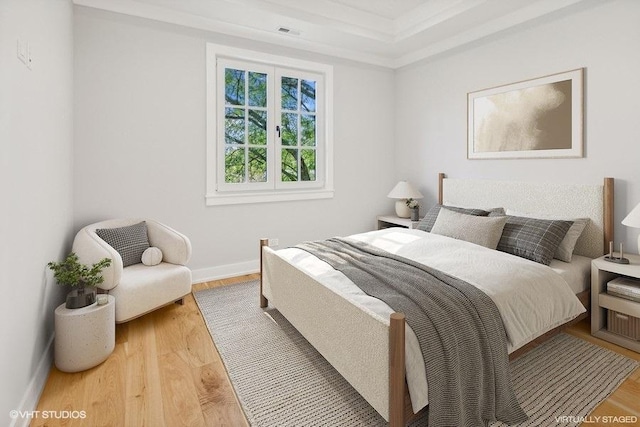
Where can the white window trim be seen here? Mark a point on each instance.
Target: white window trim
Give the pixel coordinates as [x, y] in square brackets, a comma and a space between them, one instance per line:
[215, 197]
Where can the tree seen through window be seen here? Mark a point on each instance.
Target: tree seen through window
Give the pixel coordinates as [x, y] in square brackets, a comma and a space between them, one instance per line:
[245, 125]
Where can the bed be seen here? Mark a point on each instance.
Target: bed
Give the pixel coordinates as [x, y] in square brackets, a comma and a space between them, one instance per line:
[370, 344]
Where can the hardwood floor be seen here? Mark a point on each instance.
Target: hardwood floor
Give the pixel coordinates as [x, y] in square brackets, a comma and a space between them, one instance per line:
[165, 371]
[625, 401]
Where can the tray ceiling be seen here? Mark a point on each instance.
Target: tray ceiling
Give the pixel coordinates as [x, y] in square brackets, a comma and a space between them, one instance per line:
[391, 33]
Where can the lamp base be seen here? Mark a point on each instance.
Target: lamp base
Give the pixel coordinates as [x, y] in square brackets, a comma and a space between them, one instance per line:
[402, 210]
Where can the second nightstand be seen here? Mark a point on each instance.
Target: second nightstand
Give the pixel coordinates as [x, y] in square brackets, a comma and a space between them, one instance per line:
[601, 303]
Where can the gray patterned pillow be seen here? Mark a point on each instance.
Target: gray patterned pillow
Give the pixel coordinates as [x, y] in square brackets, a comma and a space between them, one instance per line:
[130, 241]
[568, 244]
[531, 238]
[426, 224]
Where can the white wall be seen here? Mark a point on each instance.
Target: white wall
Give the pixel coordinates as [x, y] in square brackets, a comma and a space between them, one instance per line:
[140, 142]
[36, 131]
[602, 37]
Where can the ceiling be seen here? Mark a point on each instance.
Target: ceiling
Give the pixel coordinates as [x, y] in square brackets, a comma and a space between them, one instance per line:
[390, 33]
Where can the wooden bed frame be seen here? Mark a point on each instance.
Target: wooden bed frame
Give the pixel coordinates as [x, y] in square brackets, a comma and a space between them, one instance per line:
[400, 409]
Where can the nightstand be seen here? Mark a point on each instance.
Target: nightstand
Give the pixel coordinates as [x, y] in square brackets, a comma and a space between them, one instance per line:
[602, 272]
[387, 221]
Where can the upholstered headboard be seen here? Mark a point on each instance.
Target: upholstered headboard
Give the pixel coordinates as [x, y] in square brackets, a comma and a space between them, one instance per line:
[564, 200]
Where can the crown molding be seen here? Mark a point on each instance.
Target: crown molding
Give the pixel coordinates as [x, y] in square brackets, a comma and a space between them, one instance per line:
[329, 28]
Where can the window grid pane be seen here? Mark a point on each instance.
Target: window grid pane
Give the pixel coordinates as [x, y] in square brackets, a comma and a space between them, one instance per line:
[308, 98]
[234, 86]
[234, 165]
[257, 89]
[289, 93]
[308, 165]
[289, 164]
[234, 127]
[289, 132]
[308, 130]
[257, 127]
[257, 165]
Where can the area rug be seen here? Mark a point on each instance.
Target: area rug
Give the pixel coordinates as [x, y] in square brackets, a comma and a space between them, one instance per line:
[281, 380]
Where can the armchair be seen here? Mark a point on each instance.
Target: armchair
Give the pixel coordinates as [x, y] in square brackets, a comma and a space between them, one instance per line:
[138, 288]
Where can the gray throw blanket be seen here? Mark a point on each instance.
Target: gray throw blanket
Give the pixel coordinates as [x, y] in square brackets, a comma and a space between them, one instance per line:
[459, 329]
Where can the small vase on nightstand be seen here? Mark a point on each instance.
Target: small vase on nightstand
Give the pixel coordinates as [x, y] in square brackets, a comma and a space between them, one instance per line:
[415, 214]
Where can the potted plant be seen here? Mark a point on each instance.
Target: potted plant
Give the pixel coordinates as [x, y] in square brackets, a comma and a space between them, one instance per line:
[71, 272]
[414, 206]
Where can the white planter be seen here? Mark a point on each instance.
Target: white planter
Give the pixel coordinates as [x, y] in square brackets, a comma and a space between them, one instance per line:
[85, 337]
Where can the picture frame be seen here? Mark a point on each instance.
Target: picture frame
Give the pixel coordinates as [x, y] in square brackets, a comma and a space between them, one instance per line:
[536, 118]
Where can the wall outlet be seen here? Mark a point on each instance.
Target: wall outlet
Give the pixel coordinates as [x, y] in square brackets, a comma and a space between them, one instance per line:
[273, 242]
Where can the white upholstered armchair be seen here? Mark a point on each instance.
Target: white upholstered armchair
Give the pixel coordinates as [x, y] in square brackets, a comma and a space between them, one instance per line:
[138, 288]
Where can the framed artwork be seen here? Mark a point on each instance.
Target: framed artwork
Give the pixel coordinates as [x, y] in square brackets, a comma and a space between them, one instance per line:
[538, 118]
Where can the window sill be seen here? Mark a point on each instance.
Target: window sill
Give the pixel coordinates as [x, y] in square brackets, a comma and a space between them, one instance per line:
[218, 199]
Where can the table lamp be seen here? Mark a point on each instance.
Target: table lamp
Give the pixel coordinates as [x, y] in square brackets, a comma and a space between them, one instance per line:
[633, 220]
[403, 191]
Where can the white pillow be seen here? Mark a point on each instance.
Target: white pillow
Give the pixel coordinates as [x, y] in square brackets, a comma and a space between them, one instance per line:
[568, 244]
[152, 256]
[481, 230]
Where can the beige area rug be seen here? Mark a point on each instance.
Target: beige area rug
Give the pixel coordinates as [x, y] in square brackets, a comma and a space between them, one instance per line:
[281, 380]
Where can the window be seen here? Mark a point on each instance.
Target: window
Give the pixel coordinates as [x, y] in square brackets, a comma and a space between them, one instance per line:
[268, 128]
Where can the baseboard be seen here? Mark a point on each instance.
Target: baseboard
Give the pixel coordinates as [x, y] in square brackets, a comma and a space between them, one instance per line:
[31, 396]
[224, 271]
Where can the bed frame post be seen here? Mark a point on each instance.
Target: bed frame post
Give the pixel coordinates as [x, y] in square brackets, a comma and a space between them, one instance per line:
[264, 302]
[396, 370]
[441, 177]
[608, 214]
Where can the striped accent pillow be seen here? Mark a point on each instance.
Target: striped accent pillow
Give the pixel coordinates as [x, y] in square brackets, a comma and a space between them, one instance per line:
[568, 244]
[130, 241]
[532, 238]
[426, 223]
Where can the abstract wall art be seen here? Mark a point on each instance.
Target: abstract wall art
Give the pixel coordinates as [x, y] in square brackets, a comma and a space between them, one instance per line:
[538, 118]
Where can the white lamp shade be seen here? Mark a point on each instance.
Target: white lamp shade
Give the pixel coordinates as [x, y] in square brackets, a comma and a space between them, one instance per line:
[404, 190]
[633, 219]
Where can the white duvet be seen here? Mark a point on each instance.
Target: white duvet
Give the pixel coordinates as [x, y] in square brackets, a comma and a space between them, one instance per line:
[531, 297]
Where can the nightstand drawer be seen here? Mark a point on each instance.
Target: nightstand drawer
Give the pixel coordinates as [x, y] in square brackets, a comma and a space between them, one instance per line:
[623, 324]
[621, 305]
